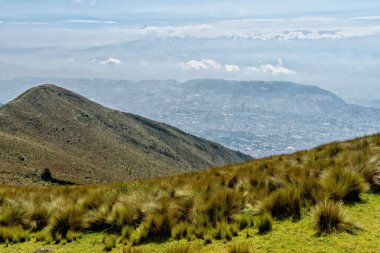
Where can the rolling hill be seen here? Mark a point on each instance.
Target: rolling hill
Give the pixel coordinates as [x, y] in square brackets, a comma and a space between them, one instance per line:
[80, 141]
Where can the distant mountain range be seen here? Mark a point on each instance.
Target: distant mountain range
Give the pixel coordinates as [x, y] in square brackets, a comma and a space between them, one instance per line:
[80, 141]
[255, 117]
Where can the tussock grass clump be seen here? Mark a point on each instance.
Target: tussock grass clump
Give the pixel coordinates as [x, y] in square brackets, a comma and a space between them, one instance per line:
[183, 248]
[245, 220]
[124, 214]
[109, 242]
[180, 230]
[344, 184]
[130, 249]
[264, 223]
[312, 192]
[12, 215]
[65, 220]
[329, 218]
[127, 232]
[371, 172]
[225, 231]
[283, 203]
[180, 209]
[2, 199]
[13, 234]
[243, 247]
[209, 205]
[223, 205]
[38, 218]
[158, 227]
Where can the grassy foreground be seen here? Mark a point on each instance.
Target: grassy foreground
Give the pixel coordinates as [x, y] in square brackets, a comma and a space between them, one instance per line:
[321, 200]
[287, 236]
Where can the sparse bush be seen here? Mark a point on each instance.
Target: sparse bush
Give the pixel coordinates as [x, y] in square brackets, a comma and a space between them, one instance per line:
[46, 175]
[329, 217]
[344, 184]
[264, 223]
[243, 247]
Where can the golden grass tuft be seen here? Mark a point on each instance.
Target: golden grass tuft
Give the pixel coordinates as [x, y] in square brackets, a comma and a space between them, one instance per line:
[329, 218]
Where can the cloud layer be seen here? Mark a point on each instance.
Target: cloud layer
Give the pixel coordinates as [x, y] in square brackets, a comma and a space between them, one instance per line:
[210, 64]
[111, 61]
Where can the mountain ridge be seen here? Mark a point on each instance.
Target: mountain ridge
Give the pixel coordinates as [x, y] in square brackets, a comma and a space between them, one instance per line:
[83, 142]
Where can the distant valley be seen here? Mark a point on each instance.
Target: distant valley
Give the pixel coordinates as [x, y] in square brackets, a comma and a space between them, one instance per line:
[257, 118]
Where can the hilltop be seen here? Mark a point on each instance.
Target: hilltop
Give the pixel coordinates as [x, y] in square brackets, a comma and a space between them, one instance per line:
[80, 141]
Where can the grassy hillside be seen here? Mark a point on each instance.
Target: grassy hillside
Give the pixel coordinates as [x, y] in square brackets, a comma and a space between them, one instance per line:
[83, 142]
[321, 200]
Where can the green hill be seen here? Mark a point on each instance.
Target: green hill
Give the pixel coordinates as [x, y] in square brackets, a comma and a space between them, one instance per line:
[80, 141]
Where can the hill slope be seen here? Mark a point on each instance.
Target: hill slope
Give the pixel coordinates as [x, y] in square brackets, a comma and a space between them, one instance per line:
[83, 142]
[276, 204]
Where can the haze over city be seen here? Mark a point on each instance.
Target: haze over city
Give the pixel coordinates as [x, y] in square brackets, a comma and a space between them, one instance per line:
[331, 45]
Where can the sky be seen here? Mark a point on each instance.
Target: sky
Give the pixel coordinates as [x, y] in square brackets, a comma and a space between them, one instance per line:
[332, 44]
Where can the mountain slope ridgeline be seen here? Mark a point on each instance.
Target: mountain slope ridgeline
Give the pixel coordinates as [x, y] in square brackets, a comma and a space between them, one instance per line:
[81, 141]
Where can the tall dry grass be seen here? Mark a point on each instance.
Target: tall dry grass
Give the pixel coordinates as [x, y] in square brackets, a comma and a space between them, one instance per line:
[214, 204]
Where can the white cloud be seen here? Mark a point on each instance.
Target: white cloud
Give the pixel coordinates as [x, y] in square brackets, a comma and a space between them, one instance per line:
[111, 61]
[209, 64]
[90, 21]
[292, 29]
[213, 64]
[201, 64]
[309, 34]
[271, 69]
[231, 68]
